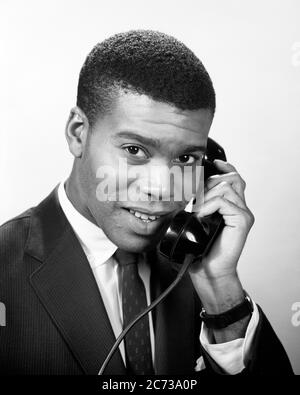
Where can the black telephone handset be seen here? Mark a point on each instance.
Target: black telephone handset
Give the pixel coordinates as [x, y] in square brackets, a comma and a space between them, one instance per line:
[187, 233]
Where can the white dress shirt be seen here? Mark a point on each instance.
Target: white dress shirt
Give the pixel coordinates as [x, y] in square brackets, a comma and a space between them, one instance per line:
[99, 250]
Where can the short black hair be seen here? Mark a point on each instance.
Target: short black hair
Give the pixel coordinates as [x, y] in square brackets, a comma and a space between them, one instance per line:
[145, 62]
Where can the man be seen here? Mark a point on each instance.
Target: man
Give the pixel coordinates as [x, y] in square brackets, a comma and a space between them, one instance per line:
[145, 99]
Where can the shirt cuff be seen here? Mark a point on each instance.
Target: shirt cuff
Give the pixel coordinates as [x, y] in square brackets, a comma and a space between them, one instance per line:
[230, 356]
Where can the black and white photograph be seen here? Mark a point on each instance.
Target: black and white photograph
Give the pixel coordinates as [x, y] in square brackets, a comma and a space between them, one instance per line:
[149, 216]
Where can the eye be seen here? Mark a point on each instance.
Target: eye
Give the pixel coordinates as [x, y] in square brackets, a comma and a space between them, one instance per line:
[186, 159]
[135, 151]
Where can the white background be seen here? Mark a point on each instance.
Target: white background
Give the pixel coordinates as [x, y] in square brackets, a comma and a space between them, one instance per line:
[252, 52]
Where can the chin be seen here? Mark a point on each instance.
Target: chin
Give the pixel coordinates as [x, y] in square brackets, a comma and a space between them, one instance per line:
[136, 244]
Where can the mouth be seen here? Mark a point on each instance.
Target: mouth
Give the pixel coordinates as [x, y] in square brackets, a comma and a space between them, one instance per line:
[146, 223]
[143, 216]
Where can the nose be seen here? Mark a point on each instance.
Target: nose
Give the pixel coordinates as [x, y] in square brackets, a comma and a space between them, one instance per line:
[159, 185]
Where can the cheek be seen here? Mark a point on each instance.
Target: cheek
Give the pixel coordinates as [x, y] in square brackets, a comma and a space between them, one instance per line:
[90, 181]
[193, 182]
[106, 214]
[100, 175]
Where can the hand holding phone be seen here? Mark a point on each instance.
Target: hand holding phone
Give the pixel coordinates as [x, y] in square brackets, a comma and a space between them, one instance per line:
[216, 235]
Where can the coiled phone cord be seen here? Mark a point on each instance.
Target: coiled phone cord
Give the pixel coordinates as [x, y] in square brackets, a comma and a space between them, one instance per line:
[187, 261]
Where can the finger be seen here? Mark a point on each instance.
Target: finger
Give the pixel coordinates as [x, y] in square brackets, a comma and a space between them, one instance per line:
[233, 178]
[224, 189]
[232, 214]
[224, 167]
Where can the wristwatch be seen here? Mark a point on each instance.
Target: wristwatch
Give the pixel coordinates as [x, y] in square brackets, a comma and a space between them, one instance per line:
[220, 321]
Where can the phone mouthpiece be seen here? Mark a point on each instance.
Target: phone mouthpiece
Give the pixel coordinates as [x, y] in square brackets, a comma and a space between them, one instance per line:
[189, 234]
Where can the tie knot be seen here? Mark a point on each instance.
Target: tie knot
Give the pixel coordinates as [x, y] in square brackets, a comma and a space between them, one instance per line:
[126, 258]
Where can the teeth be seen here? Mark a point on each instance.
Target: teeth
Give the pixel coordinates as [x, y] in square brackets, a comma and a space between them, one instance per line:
[144, 217]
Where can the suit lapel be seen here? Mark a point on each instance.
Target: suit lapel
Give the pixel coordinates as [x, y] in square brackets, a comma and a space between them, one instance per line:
[66, 286]
[175, 351]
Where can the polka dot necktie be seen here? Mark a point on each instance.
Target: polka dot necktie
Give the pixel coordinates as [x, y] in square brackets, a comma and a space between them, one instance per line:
[137, 340]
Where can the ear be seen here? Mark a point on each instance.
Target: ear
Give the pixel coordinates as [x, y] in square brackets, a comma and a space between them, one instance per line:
[76, 131]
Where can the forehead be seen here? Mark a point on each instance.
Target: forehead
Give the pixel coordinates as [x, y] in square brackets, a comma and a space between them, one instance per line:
[148, 117]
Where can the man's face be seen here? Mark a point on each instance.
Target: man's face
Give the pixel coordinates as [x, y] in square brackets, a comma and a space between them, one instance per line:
[150, 137]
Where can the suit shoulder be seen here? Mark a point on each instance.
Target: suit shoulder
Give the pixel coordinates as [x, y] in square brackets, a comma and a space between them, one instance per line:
[25, 214]
[14, 233]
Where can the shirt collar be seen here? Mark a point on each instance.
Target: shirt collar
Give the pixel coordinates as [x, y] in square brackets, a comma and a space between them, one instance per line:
[92, 238]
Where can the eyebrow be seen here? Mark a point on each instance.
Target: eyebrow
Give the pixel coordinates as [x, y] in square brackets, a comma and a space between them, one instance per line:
[156, 143]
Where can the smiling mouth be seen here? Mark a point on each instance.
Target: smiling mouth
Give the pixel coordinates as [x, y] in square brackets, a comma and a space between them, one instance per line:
[142, 216]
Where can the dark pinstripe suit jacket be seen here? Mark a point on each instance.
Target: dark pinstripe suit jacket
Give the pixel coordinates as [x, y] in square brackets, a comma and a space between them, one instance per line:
[56, 322]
